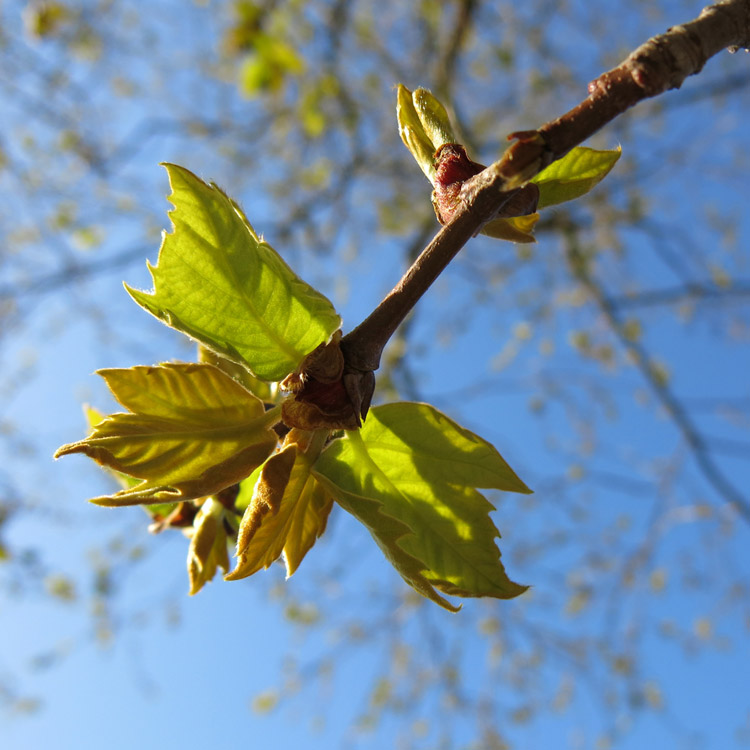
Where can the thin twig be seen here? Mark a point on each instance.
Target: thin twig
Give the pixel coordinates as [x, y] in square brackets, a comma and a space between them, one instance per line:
[662, 63]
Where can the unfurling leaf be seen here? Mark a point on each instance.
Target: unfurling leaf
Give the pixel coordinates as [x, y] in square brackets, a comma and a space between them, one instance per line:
[208, 546]
[219, 283]
[578, 172]
[412, 132]
[267, 494]
[435, 121]
[288, 510]
[191, 431]
[410, 476]
[426, 130]
[424, 126]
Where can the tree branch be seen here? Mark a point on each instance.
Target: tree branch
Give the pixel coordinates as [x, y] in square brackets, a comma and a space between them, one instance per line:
[662, 63]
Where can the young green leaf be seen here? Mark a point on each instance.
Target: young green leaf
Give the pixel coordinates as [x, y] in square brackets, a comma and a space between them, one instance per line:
[208, 545]
[158, 511]
[412, 132]
[388, 532]
[574, 175]
[409, 475]
[191, 431]
[267, 392]
[288, 512]
[220, 284]
[516, 229]
[435, 121]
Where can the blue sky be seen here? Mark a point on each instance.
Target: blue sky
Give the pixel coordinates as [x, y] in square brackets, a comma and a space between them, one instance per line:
[183, 672]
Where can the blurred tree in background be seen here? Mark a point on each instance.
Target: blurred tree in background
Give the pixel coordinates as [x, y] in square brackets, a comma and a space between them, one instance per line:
[608, 362]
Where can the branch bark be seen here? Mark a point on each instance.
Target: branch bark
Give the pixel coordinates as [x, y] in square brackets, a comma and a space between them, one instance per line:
[661, 64]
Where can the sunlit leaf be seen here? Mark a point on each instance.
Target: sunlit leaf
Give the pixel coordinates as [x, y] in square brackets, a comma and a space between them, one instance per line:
[574, 175]
[208, 545]
[515, 229]
[435, 121]
[424, 126]
[247, 487]
[219, 283]
[288, 512]
[412, 132]
[265, 391]
[190, 432]
[158, 510]
[388, 532]
[410, 476]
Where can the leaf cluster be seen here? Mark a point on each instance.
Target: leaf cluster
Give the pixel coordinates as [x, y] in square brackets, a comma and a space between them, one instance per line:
[426, 131]
[253, 445]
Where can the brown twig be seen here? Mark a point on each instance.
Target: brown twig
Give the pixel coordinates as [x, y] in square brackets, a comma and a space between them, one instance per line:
[662, 63]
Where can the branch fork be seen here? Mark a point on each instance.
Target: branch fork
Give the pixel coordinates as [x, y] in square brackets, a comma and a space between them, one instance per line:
[467, 196]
